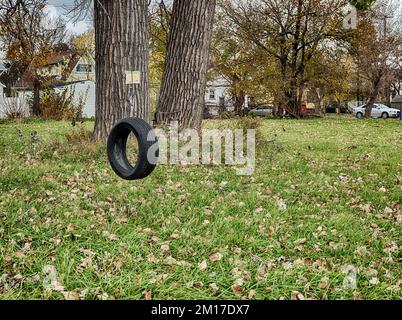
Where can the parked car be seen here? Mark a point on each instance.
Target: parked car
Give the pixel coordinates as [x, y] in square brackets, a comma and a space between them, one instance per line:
[379, 111]
[262, 111]
[331, 108]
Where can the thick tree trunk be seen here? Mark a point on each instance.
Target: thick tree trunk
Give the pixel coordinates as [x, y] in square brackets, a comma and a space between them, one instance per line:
[293, 104]
[122, 36]
[36, 112]
[239, 103]
[183, 86]
[372, 98]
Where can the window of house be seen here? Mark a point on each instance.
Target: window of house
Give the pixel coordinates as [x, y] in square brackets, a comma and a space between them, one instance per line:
[84, 68]
[212, 95]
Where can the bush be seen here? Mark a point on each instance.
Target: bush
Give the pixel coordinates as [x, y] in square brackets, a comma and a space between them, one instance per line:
[61, 105]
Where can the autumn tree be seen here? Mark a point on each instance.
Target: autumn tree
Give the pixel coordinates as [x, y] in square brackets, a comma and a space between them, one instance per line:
[248, 70]
[290, 33]
[375, 47]
[185, 75]
[84, 44]
[28, 38]
[330, 77]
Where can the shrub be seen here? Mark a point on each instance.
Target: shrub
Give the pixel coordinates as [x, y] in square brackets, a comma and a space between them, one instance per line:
[61, 104]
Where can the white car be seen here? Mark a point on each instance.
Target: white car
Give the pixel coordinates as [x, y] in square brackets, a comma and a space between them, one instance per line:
[262, 111]
[379, 111]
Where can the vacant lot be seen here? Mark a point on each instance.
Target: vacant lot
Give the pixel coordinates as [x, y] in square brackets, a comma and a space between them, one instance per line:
[326, 194]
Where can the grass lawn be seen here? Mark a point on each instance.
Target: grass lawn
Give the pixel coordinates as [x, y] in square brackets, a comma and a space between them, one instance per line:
[70, 228]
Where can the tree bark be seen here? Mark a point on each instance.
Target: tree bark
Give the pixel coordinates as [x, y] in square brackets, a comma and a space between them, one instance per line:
[36, 99]
[182, 95]
[239, 103]
[122, 44]
[373, 96]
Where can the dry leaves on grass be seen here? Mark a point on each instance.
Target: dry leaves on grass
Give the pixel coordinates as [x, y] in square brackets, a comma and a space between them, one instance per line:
[271, 231]
[300, 242]
[215, 257]
[214, 288]
[296, 295]
[251, 294]
[203, 266]
[237, 289]
[165, 249]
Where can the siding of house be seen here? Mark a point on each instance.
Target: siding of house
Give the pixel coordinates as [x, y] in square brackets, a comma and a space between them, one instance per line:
[78, 75]
[16, 105]
[86, 88]
[219, 87]
[87, 85]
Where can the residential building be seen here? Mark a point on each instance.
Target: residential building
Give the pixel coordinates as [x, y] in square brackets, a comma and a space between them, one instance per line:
[217, 97]
[66, 70]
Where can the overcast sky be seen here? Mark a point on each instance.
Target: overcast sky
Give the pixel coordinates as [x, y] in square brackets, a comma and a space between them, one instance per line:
[57, 8]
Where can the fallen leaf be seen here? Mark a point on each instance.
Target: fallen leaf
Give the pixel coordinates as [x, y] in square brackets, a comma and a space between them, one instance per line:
[296, 295]
[300, 241]
[165, 249]
[148, 295]
[153, 240]
[324, 283]
[203, 265]
[216, 257]
[251, 294]
[123, 220]
[367, 208]
[110, 236]
[214, 288]
[71, 296]
[237, 289]
[271, 231]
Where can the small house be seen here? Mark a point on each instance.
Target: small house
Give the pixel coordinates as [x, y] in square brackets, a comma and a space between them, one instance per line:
[217, 97]
[65, 70]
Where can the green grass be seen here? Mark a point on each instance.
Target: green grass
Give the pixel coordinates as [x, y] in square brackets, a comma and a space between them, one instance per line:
[341, 180]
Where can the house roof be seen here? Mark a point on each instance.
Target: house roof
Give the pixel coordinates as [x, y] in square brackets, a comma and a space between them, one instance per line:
[70, 57]
[397, 99]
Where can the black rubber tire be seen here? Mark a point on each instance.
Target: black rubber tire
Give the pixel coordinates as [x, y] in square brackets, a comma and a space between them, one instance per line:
[117, 149]
[359, 115]
[385, 115]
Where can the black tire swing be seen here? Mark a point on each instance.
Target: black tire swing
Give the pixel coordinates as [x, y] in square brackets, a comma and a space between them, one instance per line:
[117, 149]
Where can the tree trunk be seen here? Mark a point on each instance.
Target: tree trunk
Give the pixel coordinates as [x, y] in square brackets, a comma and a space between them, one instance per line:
[121, 37]
[182, 95]
[36, 112]
[239, 102]
[373, 97]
